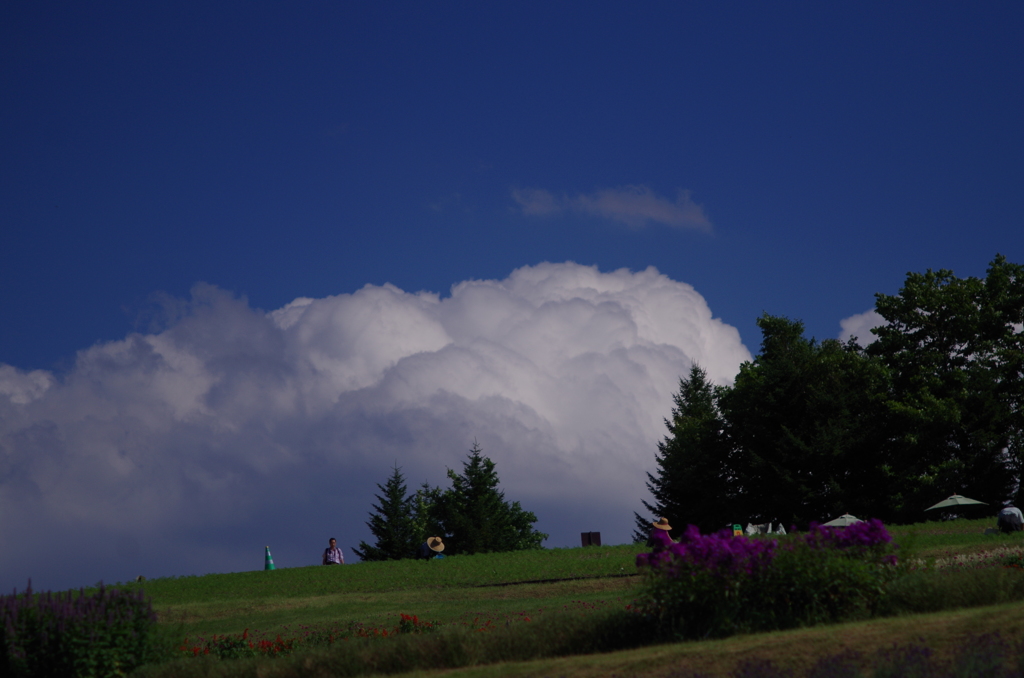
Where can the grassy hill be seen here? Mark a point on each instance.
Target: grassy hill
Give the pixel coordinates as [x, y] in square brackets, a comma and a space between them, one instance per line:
[543, 593]
[447, 590]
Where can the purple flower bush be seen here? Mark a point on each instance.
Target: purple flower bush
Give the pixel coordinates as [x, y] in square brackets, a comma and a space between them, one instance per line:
[721, 555]
[73, 634]
[720, 584]
[868, 540]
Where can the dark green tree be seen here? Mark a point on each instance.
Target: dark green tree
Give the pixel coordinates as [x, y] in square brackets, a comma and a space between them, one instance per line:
[424, 513]
[691, 485]
[473, 515]
[955, 350]
[812, 429]
[808, 427]
[394, 523]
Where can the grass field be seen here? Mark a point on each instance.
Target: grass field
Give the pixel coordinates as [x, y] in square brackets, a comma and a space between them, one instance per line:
[503, 591]
[449, 590]
[796, 650]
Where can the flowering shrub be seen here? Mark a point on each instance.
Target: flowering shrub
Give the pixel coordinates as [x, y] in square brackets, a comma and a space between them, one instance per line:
[719, 584]
[72, 634]
[238, 647]
[412, 624]
[867, 541]
[720, 555]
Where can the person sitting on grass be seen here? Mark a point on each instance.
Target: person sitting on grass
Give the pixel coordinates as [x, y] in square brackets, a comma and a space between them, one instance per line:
[332, 554]
[431, 548]
[659, 537]
[1010, 519]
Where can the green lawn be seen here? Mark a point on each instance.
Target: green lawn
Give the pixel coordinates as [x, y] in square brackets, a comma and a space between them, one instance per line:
[447, 590]
[502, 590]
[451, 572]
[449, 605]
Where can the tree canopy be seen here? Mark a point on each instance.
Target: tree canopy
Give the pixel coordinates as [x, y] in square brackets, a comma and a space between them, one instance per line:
[692, 483]
[394, 523]
[471, 516]
[806, 423]
[810, 430]
[955, 353]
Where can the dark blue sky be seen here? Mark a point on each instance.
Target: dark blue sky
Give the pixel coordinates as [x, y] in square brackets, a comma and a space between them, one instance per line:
[293, 150]
[792, 158]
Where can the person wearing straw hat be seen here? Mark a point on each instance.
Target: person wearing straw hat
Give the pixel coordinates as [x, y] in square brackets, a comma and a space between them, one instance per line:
[431, 548]
[659, 536]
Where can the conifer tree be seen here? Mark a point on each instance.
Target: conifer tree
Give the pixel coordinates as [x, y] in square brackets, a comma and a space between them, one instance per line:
[473, 515]
[424, 522]
[394, 523]
[690, 486]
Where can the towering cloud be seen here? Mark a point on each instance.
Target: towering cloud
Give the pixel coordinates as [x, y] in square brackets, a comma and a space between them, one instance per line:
[188, 450]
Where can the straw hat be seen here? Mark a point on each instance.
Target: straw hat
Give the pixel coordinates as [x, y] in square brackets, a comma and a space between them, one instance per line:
[662, 524]
[435, 544]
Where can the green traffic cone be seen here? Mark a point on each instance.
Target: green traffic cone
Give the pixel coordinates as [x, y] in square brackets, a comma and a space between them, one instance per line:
[268, 561]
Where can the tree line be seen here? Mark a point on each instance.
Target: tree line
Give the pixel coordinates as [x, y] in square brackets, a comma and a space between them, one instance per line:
[471, 516]
[811, 430]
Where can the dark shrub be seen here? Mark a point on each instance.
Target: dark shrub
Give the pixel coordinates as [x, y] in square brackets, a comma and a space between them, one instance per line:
[68, 634]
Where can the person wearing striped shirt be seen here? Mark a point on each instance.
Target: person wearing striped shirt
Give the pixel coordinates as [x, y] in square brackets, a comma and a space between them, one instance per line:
[332, 554]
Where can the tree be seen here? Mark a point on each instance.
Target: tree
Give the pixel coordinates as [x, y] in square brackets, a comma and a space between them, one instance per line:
[692, 482]
[423, 503]
[956, 353]
[394, 524]
[473, 514]
[808, 427]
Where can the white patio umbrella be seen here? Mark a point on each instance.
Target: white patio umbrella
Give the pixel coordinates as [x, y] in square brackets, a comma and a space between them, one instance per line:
[844, 520]
[955, 500]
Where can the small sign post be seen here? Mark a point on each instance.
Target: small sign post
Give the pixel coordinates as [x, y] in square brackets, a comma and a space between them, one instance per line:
[737, 530]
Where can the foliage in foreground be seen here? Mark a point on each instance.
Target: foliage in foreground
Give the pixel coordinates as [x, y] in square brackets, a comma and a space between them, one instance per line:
[718, 585]
[925, 590]
[575, 634]
[107, 633]
[396, 651]
[983, 656]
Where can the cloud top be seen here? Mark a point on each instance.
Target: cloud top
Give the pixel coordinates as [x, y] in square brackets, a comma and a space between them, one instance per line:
[635, 206]
[187, 450]
[860, 326]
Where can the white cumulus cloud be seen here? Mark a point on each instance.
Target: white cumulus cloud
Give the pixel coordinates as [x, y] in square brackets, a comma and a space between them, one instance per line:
[860, 326]
[188, 450]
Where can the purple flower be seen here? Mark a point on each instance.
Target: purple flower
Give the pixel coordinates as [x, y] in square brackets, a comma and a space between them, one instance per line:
[726, 556]
[721, 554]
